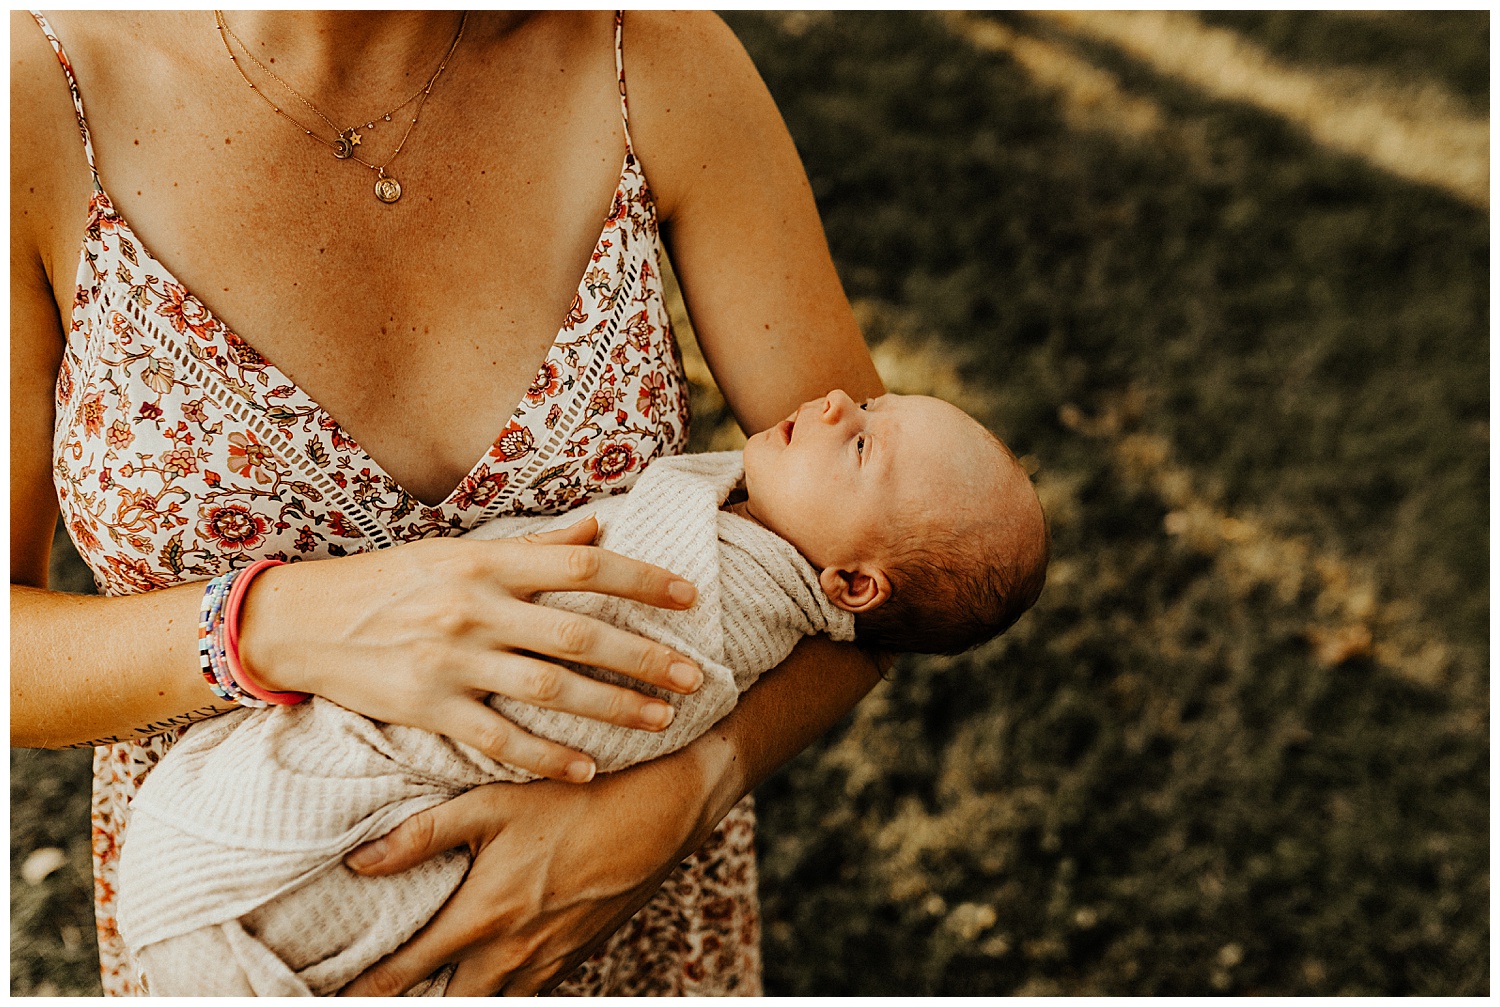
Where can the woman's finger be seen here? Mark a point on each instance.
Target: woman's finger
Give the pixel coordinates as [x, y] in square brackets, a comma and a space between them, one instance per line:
[408, 965]
[492, 969]
[473, 723]
[553, 687]
[582, 532]
[535, 978]
[467, 820]
[588, 568]
[465, 921]
[569, 636]
[452, 933]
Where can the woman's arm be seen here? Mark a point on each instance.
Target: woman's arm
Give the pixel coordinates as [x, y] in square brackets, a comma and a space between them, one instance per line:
[415, 635]
[739, 220]
[555, 871]
[69, 654]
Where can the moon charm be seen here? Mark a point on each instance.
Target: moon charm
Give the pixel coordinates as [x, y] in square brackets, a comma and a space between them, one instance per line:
[387, 190]
[342, 148]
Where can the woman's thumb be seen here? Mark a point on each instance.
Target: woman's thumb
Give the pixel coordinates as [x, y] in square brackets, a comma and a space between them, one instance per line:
[421, 837]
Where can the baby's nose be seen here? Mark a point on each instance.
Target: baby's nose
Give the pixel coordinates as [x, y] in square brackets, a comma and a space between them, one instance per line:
[836, 404]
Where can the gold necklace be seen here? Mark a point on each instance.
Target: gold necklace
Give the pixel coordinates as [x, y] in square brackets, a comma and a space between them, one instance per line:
[342, 133]
[387, 189]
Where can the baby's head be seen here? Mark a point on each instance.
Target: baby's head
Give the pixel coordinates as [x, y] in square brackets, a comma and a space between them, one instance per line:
[920, 521]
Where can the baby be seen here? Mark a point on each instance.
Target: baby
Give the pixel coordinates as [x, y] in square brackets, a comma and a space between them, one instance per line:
[899, 522]
[919, 520]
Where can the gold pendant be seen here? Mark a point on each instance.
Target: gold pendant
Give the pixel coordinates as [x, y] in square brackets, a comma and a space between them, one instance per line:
[387, 190]
[343, 147]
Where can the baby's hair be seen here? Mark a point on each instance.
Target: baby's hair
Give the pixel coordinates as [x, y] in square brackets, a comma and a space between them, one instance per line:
[951, 592]
[946, 598]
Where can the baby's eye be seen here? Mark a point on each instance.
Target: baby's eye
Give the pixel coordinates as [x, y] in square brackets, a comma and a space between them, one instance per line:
[865, 404]
[859, 444]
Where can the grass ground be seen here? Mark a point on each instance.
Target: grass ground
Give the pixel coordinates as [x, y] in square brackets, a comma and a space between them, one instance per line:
[1241, 744]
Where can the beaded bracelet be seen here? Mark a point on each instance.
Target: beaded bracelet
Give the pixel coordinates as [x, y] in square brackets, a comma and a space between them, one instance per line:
[209, 612]
[218, 641]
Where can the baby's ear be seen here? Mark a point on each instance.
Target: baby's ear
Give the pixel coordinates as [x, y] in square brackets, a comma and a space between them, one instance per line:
[856, 591]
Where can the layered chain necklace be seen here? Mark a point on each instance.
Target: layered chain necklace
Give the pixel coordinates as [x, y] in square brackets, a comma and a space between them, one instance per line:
[345, 140]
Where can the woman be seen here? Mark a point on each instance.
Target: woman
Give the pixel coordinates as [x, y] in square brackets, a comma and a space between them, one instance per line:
[343, 290]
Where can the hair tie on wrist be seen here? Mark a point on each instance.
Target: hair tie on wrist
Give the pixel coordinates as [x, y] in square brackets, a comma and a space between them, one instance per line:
[232, 639]
[219, 637]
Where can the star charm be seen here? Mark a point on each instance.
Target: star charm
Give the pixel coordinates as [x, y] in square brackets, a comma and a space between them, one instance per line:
[351, 136]
[354, 138]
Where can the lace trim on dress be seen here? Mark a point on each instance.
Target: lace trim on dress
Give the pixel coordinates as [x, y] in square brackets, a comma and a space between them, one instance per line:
[268, 433]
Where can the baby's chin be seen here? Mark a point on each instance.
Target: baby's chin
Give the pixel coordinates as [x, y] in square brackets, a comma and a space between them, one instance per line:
[757, 460]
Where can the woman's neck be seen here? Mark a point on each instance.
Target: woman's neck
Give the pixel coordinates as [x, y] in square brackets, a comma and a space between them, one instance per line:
[362, 59]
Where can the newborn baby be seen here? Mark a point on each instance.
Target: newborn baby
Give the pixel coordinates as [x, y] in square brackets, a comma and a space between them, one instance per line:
[899, 522]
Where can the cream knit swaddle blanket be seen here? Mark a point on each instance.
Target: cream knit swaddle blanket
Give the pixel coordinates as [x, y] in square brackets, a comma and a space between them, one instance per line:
[232, 879]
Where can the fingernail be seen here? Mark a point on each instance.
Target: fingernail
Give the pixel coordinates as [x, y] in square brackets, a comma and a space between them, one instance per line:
[367, 856]
[682, 592]
[658, 715]
[685, 676]
[581, 771]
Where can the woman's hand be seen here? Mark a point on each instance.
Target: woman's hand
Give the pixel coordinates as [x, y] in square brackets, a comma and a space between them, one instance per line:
[557, 869]
[422, 633]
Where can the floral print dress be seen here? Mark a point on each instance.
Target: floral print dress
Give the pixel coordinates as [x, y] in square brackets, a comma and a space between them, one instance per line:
[179, 453]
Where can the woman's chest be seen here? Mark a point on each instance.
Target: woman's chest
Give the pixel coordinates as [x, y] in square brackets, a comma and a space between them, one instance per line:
[419, 327]
[418, 324]
[182, 448]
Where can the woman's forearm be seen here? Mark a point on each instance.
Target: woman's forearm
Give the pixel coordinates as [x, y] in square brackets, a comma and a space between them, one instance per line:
[779, 716]
[90, 671]
[415, 635]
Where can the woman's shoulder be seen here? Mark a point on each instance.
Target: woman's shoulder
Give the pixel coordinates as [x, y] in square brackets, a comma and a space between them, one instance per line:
[681, 62]
[50, 180]
[692, 91]
[689, 31]
[42, 119]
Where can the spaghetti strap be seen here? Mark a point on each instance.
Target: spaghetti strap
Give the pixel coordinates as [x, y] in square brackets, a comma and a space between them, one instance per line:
[83, 125]
[619, 74]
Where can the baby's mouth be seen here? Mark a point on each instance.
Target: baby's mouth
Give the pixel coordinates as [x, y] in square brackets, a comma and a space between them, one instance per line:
[784, 429]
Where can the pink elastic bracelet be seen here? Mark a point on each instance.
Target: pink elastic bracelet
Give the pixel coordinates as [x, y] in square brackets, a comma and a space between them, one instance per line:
[232, 638]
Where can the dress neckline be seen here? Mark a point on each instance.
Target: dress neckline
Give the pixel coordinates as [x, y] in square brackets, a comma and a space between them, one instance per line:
[292, 395]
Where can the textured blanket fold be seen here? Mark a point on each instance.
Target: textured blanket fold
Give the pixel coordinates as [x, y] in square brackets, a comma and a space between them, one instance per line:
[231, 877]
